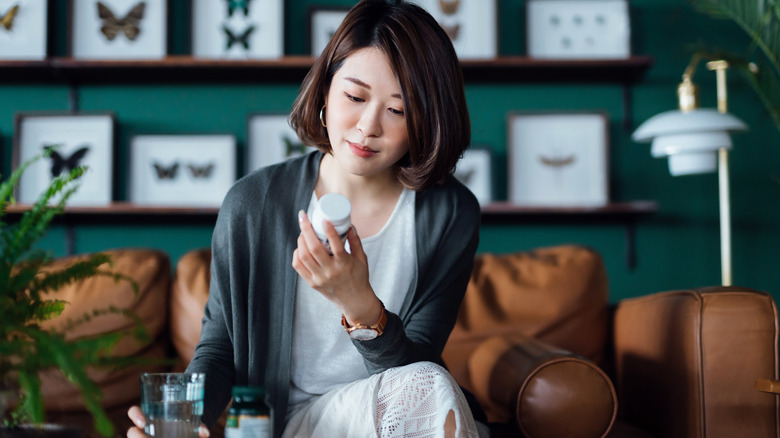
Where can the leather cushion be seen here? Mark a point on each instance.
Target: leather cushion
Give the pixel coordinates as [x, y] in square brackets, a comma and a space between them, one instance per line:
[150, 269]
[556, 294]
[706, 347]
[189, 294]
[547, 391]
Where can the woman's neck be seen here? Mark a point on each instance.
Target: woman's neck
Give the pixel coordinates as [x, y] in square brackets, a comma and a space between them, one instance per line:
[373, 198]
[332, 179]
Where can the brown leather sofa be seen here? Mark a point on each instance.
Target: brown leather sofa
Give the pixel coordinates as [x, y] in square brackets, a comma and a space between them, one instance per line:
[537, 342]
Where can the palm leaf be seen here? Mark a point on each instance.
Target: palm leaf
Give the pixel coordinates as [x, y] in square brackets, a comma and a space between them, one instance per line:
[760, 19]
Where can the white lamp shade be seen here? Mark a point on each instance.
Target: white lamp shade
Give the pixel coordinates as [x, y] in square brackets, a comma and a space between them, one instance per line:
[690, 139]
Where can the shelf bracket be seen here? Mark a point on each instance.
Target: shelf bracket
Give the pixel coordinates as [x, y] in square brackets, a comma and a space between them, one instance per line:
[627, 100]
[73, 98]
[70, 239]
[630, 249]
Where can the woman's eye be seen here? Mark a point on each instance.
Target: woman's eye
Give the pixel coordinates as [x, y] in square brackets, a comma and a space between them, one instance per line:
[397, 112]
[353, 98]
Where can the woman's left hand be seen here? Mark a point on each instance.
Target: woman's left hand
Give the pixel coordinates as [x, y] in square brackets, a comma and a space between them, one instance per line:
[342, 277]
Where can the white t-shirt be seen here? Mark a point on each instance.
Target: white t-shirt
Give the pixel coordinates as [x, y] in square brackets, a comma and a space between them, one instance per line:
[323, 357]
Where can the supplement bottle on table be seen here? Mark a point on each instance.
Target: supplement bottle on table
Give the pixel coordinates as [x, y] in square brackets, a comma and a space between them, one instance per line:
[249, 415]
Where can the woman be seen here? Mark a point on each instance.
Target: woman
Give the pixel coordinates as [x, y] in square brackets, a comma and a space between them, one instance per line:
[385, 106]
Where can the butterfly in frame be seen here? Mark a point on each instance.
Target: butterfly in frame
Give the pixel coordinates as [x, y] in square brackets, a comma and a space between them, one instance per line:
[242, 39]
[232, 5]
[129, 25]
[449, 7]
[201, 171]
[165, 172]
[558, 161]
[59, 162]
[7, 20]
[293, 148]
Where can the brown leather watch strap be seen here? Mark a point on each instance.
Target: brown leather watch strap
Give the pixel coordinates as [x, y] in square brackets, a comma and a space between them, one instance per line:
[379, 327]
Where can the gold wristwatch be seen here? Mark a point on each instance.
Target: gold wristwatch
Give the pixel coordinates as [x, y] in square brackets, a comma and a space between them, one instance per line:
[363, 332]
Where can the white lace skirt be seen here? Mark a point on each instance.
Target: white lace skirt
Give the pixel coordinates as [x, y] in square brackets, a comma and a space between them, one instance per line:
[409, 401]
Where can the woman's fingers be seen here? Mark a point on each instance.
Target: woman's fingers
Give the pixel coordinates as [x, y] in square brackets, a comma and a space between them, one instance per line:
[313, 244]
[336, 245]
[135, 432]
[355, 245]
[137, 417]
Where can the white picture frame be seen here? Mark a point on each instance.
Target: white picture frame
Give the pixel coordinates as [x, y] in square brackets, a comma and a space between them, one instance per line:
[475, 171]
[471, 24]
[181, 170]
[220, 31]
[323, 22]
[24, 30]
[558, 159]
[118, 29]
[578, 29]
[271, 140]
[85, 139]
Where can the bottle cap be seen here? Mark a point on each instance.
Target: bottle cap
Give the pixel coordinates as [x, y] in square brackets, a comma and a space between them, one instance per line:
[248, 393]
[335, 208]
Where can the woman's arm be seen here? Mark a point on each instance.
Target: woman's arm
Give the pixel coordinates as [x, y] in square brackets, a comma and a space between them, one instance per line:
[448, 235]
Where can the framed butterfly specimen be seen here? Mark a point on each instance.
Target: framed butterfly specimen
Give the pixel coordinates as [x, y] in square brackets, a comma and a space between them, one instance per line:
[237, 29]
[475, 171]
[83, 139]
[323, 22]
[23, 29]
[118, 29]
[181, 170]
[271, 140]
[578, 29]
[558, 159]
[471, 24]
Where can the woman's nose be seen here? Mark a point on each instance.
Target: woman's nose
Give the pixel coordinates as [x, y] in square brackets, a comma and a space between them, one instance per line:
[369, 123]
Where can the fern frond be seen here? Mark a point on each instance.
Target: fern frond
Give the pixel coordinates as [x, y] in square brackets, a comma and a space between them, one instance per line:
[7, 187]
[72, 362]
[35, 222]
[77, 271]
[31, 404]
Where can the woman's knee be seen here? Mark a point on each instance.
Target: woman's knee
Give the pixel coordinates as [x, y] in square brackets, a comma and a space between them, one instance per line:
[426, 371]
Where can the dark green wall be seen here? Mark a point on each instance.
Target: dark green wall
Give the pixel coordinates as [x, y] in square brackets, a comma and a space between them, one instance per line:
[677, 248]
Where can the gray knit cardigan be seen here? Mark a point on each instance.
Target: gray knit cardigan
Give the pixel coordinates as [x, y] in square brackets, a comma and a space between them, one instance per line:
[247, 326]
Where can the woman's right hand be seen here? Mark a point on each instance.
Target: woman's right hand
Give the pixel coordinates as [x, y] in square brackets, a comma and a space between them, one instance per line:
[137, 417]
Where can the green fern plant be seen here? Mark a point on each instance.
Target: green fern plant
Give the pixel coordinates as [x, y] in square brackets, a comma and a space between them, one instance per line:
[760, 19]
[26, 348]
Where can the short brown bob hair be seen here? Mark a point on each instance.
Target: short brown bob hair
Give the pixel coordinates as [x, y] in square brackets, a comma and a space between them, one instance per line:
[427, 68]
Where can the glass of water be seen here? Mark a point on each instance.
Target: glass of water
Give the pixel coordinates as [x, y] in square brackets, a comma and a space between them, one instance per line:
[172, 403]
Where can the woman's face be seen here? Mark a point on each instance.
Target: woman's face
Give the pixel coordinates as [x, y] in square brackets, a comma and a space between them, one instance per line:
[365, 114]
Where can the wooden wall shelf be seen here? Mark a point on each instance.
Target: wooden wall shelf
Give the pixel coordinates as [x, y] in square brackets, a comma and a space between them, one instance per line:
[497, 212]
[294, 68]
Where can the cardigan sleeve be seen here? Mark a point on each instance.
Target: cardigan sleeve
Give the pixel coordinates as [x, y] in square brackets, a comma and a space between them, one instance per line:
[447, 239]
[214, 352]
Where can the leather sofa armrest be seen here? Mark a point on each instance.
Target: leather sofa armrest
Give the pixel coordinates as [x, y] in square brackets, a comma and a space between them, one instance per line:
[544, 390]
[686, 362]
[768, 385]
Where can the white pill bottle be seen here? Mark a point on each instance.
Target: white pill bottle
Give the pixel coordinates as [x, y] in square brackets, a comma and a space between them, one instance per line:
[335, 209]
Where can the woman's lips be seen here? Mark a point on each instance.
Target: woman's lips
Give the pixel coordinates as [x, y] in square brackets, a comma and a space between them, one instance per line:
[360, 150]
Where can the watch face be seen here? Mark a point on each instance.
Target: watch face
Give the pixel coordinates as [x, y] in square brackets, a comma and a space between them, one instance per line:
[363, 334]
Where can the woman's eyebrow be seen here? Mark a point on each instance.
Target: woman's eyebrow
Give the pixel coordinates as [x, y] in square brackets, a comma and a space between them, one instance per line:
[360, 83]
